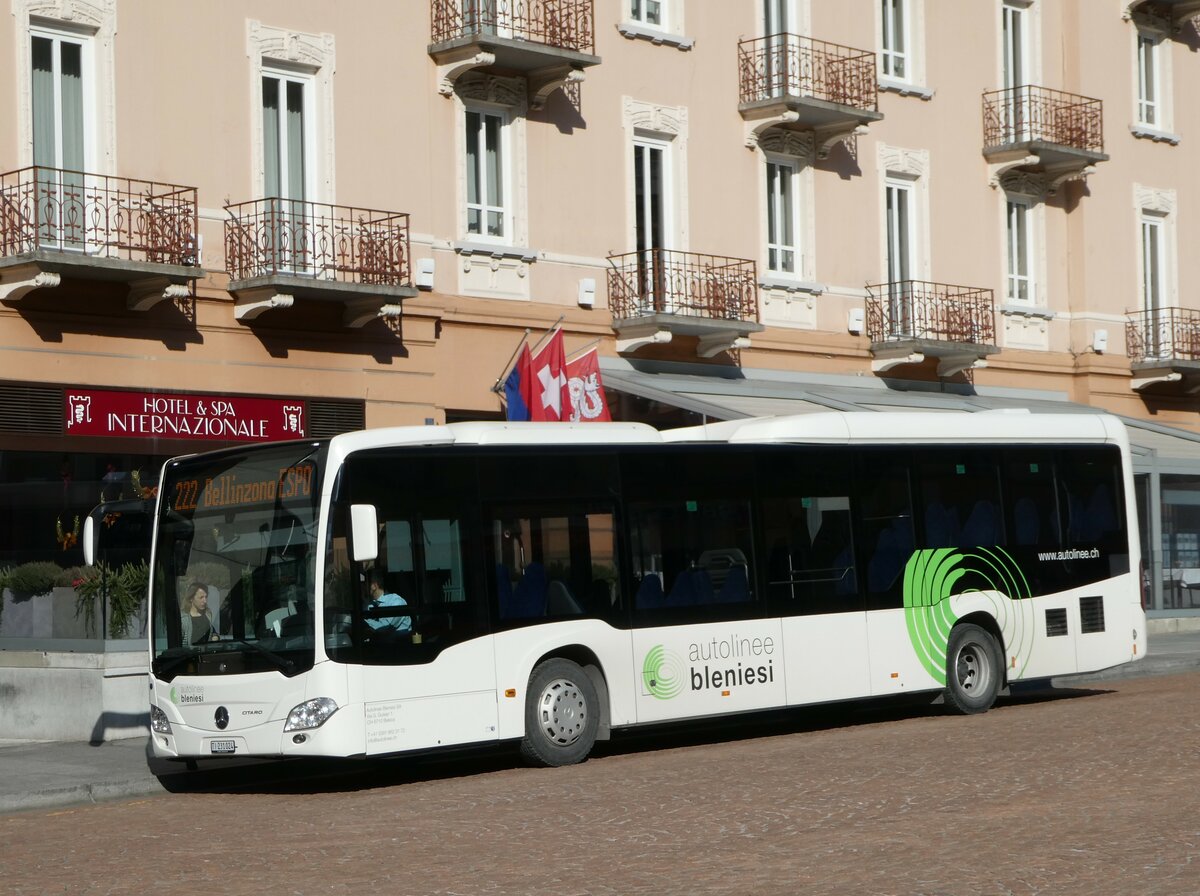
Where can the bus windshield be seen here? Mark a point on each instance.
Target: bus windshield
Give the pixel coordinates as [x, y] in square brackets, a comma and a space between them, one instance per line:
[232, 585]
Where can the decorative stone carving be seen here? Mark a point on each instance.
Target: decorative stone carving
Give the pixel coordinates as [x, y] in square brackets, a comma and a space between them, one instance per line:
[508, 92]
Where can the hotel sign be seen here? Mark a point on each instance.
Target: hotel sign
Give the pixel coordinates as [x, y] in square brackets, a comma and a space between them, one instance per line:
[150, 415]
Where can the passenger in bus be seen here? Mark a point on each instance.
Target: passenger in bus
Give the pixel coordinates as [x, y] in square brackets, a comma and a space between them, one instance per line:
[195, 619]
[386, 625]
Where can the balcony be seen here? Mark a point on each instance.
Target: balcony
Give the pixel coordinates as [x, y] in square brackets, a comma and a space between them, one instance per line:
[801, 84]
[1051, 135]
[278, 250]
[548, 42]
[657, 294]
[1164, 347]
[56, 223]
[910, 320]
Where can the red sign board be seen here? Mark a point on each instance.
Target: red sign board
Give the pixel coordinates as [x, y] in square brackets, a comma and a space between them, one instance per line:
[150, 415]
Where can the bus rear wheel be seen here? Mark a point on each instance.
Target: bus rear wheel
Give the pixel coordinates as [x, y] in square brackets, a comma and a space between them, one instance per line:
[973, 669]
[562, 714]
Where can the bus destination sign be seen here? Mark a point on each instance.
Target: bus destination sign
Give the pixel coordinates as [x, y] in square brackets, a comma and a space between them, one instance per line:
[150, 415]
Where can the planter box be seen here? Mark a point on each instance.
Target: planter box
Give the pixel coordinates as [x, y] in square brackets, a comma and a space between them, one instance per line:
[50, 615]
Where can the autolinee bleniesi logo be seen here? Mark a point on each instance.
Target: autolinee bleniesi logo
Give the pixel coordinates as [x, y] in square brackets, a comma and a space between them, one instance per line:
[662, 673]
[718, 664]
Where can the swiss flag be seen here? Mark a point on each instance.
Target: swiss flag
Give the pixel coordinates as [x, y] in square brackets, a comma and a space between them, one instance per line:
[587, 392]
[548, 397]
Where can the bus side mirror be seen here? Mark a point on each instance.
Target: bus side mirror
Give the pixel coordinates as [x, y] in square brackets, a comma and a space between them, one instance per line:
[364, 532]
[89, 541]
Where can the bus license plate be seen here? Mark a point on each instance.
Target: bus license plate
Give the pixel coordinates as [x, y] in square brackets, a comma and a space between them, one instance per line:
[223, 746]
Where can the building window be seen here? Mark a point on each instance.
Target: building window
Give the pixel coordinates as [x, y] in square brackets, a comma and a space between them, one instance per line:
[648, 12]
[894, 40]
[286, 133]
[898, 206]
[1148, 81]
[487, 212]
[783, 254]
[1020, 286]
[651, 179]
[61, 115]
[899, 209]
[1153, 246]
[1015, 15]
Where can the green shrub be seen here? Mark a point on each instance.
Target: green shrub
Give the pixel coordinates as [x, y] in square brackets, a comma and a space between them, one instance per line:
[36, 577]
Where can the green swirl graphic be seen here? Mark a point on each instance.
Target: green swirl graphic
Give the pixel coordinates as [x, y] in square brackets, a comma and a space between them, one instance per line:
[933, 576]
[663, 673]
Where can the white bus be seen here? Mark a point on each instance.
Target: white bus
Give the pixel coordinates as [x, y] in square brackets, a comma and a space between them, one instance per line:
[417, 588]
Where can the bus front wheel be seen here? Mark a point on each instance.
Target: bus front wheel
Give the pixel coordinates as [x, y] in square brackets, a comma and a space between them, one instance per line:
[562, 714]
[973, 669]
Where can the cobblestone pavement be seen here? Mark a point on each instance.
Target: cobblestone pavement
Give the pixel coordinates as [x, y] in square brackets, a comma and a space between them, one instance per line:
[1088, 791]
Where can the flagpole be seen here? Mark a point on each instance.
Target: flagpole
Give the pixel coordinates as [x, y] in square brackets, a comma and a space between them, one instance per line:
[553, 327]
[508, 363]
[580, 351]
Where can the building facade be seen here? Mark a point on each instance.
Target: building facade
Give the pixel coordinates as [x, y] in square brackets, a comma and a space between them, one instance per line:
[223, 223]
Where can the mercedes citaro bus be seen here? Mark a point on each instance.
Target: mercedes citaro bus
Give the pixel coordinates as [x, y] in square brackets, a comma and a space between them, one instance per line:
[544, 584]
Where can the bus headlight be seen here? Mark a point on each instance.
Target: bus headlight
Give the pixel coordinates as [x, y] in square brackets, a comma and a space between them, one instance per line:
[310, 714]
[159, 723]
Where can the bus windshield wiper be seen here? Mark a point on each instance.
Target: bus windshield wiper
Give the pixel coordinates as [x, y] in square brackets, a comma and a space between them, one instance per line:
[282, 662]
[171, 658]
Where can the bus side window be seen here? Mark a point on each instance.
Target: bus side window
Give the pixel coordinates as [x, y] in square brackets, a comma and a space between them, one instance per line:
[887, 526]
[807, 532]
[553, 565]
[960, 501]
[1090, 489]
[1031, 500]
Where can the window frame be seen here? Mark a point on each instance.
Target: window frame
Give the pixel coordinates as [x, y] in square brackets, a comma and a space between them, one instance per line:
[307, 82]
[889, 36]
[781, 209]
[1019, 208]
[638, 11]
[477, 173]
[86, 43]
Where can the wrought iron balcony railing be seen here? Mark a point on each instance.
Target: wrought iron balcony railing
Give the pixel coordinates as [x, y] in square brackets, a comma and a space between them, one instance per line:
[1027, 114]
[1164, 335]
[661, 281]
[784, 65]
[565, 24]
[294, 238]
[95, 215]
[932, 312]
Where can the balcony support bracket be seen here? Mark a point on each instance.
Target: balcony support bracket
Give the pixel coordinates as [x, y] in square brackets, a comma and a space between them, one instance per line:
[886, 363]
[1055, 179]
[635, 338]
[18, 282]
[1154, 378]
[952, 365]
[249, 304]
[711, 346]
[145, 294]
[448, 73]
[756, 129]
[826, 138]
[544, 82]
[360, 312]
[1001, 166]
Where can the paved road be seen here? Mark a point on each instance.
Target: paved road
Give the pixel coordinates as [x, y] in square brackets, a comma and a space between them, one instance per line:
[1084, 791]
